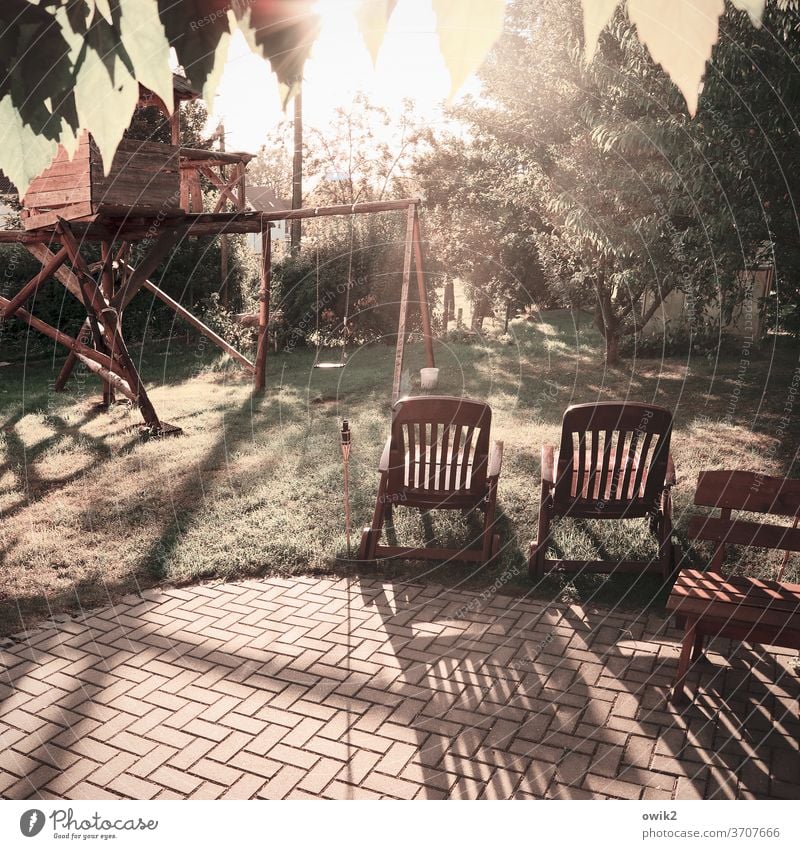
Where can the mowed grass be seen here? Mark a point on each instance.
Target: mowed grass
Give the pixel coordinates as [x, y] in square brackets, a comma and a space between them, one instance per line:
[89, 511]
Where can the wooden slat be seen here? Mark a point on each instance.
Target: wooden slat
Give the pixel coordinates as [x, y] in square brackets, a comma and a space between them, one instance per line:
[446, 460]
[740, 532]
[593, 465]
[643, 464]
[765, 617]
[741, 490]
[616, 490]
[60, 197]
[581, 467]
[603, 566]
[630, 460]
[465, 458]
[387, 552]
[433, 468]
[412, 456]
[605, 484]
[39, 220]
[421, 455]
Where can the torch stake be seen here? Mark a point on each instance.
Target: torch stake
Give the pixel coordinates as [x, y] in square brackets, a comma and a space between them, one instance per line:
[346, 461]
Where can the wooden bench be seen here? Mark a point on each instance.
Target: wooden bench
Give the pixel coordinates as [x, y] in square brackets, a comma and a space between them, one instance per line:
[709, 604]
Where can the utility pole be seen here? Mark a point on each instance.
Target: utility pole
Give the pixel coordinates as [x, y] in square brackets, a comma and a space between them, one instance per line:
[223, 239]
[297, 167]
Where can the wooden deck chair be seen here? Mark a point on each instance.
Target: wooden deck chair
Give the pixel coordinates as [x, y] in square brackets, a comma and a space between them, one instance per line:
[437, 457]
[613, 463]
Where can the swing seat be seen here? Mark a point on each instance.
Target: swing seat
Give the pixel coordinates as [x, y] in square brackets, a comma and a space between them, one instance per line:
[329, 365]
[437, 458]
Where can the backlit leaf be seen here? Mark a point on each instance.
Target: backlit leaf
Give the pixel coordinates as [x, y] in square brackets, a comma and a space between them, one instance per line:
[754, 8]
[679, 34]
[146, 44]
[596, 15]
[373, 19]
[25, 153]
[467, 30]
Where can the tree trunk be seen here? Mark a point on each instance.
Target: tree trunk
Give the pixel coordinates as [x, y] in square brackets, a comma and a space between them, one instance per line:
[612, 347]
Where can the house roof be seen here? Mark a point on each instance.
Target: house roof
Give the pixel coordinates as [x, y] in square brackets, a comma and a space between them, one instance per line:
[264, 199]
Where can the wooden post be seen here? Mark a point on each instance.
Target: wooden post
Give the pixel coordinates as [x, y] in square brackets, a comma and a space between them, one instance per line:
[297, 168]
[107, 288]
[423, 293]
[263, 311]
[401, 324]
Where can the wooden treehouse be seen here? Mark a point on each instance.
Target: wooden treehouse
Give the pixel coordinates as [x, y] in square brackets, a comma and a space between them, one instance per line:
[152, 193]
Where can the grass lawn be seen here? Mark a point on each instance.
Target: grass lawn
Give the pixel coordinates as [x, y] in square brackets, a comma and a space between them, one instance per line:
[89, 512]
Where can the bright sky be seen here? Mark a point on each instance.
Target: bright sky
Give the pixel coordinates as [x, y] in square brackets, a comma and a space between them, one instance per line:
[409, 65]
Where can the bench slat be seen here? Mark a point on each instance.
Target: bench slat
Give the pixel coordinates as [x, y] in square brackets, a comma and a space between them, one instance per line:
[741, 490]
[740, 532]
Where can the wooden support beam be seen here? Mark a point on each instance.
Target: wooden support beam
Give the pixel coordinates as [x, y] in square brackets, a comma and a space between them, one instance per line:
[401, 324]
[58, 336]
[149, 263]
[63, 274]
[198, 325]
[423, 292]
[260, 382]
[100, 310]
[52, 265]
[108, 376]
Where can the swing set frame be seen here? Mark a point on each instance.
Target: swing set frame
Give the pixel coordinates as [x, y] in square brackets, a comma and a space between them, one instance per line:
[105, 290]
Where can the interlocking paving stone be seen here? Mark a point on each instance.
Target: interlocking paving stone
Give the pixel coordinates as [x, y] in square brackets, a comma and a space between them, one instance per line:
[330, 688]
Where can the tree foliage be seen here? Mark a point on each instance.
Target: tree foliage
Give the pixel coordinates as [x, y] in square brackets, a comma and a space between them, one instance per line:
[598, 170]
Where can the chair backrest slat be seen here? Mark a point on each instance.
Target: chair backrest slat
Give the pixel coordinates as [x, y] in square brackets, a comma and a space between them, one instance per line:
[439, 446]
[644, 461]
[627, 472]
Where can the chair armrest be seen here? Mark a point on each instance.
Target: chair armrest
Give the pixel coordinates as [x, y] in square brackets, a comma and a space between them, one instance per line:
[495, 459]
[671, 478]
[383, 466]
[547, 464]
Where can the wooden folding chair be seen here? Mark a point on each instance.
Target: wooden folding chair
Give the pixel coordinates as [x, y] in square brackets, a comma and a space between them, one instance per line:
[437, 458]
[613, 463]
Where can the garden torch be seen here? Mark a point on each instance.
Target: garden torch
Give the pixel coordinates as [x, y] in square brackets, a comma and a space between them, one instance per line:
[346, 460]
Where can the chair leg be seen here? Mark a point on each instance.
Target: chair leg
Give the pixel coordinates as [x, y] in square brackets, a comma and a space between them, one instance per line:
[697, 647]
[371, 535]
[665, 538]
[689, 639]
[490, 509]
[538, 549]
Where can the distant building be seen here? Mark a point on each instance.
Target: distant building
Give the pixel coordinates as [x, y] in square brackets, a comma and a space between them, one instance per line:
[264, 199]
[745, 320]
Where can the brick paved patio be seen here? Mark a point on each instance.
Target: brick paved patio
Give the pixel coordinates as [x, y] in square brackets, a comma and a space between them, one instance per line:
[362, 689]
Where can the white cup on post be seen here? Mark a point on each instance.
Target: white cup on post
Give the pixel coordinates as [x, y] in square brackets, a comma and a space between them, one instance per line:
[429, 378]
